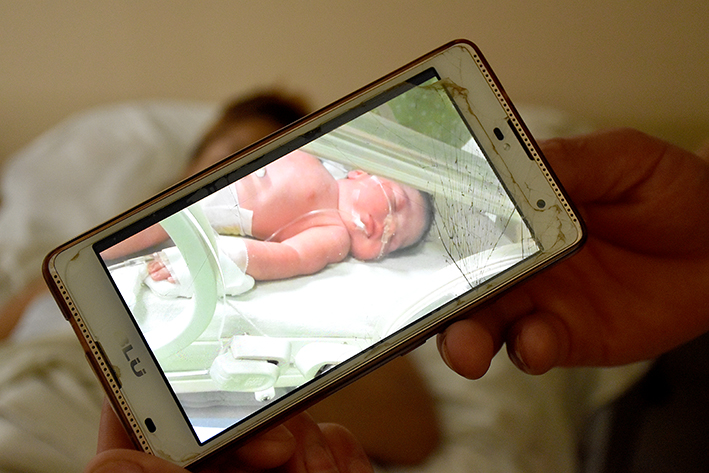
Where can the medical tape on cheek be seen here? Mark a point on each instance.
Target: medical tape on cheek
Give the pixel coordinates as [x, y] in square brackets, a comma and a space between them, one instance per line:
[356, 218]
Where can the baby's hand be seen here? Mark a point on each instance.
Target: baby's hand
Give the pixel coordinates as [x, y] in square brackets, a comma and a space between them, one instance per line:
[159, 272]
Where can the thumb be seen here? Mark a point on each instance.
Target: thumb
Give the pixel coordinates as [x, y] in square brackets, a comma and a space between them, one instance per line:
[582, 163]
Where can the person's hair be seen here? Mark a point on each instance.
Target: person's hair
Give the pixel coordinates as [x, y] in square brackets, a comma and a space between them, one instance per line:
[429, 215]
[277, 107]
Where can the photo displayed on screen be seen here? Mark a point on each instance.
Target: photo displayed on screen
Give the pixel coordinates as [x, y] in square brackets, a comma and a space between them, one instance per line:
[281, 275]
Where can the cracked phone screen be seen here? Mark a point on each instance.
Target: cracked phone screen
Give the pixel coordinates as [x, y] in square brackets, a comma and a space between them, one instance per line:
[399, 190]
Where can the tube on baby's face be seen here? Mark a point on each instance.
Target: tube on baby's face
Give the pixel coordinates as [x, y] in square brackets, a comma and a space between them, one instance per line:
[388, 221]
[388, 231]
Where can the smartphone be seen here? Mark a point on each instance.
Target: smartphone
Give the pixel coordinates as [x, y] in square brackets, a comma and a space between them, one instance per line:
[431, 166]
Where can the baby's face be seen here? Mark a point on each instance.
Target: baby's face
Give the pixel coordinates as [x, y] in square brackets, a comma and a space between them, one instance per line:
[386, 215]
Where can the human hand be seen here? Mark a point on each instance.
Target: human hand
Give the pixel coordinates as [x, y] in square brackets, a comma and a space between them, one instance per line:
[639, 286]
[159, 272]
[297, 446]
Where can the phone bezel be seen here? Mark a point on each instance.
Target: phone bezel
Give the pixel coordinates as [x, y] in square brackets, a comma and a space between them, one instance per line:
[115, 346]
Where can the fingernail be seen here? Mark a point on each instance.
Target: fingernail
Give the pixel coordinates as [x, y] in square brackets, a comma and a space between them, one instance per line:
[516, 356]
[443, 349]
[319, 459]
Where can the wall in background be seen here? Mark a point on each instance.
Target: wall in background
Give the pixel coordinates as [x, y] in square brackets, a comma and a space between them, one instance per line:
[638, 63]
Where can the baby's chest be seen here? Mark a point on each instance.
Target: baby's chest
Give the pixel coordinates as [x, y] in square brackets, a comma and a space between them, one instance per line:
[294, 201]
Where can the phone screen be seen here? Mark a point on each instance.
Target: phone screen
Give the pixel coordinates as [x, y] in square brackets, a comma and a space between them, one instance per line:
[396, 197]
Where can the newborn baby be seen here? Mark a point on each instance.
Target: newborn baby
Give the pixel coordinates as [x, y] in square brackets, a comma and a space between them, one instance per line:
[300, 219]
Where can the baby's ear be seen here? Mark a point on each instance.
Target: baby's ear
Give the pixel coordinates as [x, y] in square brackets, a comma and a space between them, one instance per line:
[354, 174]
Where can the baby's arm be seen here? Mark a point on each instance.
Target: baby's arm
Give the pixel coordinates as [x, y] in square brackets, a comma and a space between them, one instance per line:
[305, 253]
[149, 237]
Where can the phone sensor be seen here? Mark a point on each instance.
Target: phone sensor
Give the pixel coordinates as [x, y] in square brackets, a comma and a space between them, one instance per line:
[150, 425]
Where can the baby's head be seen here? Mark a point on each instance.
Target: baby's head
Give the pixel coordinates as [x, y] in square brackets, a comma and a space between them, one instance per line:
[386, 216]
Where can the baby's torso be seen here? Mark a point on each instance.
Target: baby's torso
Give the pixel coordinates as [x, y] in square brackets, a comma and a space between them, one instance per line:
[294, 193]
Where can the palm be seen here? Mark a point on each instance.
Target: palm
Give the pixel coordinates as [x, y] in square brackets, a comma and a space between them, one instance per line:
[639, 285]
[617, 306]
